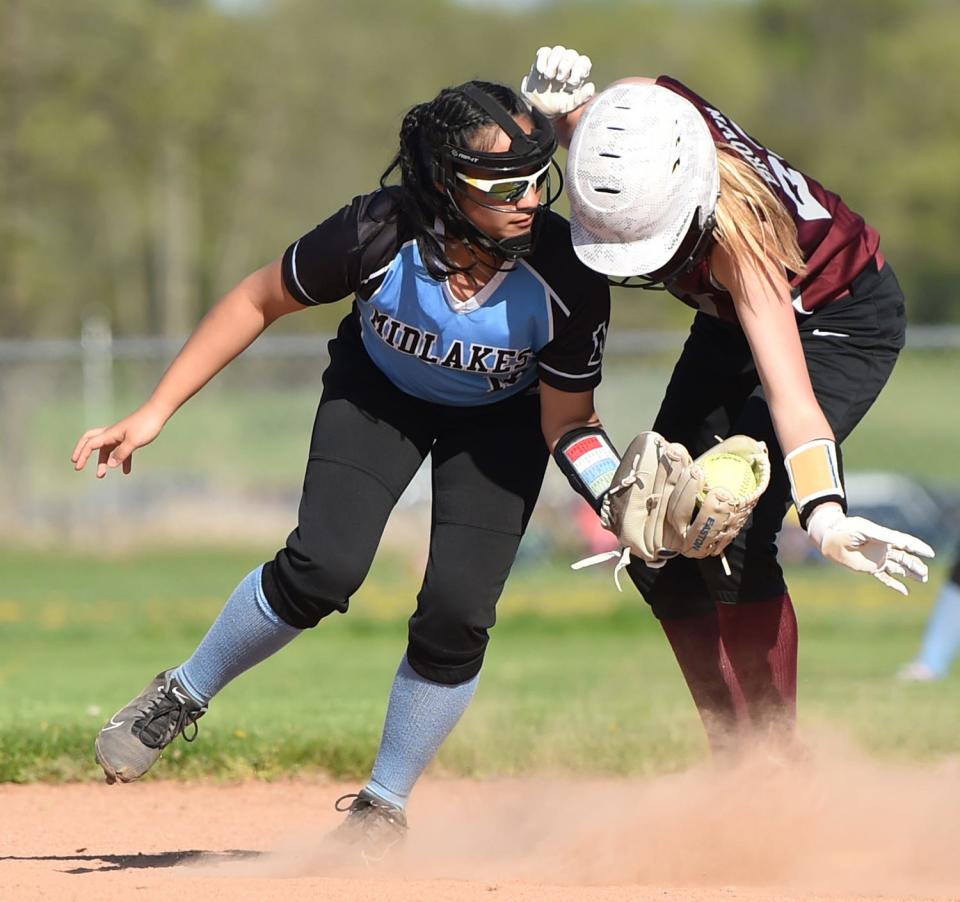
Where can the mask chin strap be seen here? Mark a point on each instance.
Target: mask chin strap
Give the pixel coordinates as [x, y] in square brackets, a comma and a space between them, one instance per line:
[522, 245]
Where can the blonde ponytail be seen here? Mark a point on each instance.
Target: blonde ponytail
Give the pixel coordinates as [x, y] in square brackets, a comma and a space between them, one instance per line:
[753, 226]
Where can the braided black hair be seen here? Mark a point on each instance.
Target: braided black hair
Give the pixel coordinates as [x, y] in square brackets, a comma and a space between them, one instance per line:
[450, 118]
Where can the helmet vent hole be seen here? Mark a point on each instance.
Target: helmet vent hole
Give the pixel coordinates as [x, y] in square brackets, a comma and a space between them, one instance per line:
[615, 128]
[676, 165]
[607, 190]
[610, 156]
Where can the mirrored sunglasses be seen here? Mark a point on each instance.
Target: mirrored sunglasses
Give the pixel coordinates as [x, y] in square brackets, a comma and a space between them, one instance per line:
[508, 190]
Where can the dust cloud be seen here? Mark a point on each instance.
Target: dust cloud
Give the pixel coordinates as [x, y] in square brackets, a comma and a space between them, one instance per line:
[837, 824]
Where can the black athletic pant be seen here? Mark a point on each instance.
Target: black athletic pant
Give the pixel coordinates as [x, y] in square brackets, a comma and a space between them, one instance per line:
[369, 439]
[851, 346]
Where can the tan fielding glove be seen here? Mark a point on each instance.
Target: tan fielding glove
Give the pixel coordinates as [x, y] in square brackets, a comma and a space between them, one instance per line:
[652, 498]
[660, 503]
[723, 510]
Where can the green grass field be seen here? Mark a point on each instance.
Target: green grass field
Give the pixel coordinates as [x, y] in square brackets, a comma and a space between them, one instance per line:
[578, 678]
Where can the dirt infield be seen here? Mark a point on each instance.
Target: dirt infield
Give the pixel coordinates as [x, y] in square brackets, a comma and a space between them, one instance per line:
[851, 830]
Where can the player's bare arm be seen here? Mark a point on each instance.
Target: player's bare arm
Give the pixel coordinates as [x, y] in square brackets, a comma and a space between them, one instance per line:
[761, 297]
[561, 412]
[236, 320]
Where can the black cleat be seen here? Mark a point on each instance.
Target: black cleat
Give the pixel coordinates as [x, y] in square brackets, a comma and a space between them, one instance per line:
[372, 827]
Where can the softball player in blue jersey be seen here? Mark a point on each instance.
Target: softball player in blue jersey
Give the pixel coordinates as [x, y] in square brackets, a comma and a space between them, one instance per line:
[476, 337]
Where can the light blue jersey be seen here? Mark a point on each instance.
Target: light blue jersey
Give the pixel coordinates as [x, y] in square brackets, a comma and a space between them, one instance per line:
[545, 317]
[441, 349]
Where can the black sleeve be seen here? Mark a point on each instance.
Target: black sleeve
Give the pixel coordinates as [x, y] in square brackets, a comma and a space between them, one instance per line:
[580, 298]
[327, 264]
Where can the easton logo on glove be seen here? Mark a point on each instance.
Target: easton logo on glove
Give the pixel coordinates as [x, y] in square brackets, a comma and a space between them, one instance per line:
[703, 534]
[736, 472]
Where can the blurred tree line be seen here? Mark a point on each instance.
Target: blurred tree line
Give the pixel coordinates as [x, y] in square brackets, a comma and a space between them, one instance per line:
[152, 152]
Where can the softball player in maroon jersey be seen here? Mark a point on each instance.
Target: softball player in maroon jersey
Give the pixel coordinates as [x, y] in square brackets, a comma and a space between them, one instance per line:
[799, 323]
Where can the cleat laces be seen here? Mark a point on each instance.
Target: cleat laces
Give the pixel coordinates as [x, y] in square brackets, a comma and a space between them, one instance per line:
[374, 826]
[163, 717]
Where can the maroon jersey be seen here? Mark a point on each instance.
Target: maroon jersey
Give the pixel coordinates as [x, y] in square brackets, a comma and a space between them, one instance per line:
[836, 243]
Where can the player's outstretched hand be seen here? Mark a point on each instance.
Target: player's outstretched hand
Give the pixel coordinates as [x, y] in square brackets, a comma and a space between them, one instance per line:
[869, 548]
[117, 443]
[557, 81]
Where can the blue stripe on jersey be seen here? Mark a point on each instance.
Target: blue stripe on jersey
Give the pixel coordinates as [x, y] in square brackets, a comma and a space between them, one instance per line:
[429, 350]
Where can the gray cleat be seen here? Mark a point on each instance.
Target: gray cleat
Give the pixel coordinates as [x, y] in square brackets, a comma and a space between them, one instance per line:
[132, 740]
[372, 827]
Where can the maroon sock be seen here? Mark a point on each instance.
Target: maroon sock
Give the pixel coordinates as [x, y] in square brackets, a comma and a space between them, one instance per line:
[710, 678]
[760, 641]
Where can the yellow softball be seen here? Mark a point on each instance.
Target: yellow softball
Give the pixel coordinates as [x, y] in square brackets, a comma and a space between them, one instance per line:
[730, 471]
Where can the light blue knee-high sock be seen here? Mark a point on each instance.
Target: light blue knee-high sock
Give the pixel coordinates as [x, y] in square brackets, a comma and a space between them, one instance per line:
[246, 633]
[941, 642]
[420, 716]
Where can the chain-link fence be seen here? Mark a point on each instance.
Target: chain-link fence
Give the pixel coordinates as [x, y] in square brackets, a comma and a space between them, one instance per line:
[228, 466]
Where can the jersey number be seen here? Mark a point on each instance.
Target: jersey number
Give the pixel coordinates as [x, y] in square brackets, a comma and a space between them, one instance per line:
[499, 383]
[795, 185]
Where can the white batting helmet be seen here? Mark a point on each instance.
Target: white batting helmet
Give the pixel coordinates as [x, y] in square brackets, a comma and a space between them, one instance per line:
[642, 163]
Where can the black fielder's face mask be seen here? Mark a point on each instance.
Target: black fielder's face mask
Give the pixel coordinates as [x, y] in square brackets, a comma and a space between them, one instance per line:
[504, 178]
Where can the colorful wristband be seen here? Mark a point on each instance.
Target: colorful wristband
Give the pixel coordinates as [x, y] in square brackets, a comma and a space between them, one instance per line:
[587, 458]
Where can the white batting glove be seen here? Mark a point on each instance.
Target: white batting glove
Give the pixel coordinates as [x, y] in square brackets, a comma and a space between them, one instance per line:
[557, 81]
[866, 547]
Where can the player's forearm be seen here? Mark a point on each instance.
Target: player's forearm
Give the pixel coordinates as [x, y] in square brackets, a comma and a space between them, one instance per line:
[232, 325]
[553, 432]
[565, 125]
[796, 413]
[766, 314]
[811, 456]
[798, 420]
[575, 438]
[561, 412]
